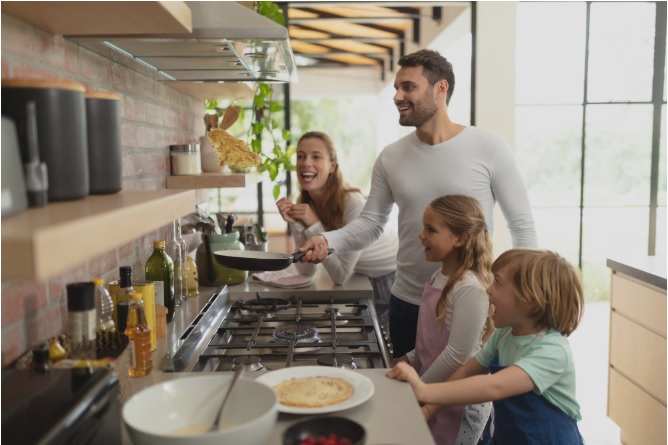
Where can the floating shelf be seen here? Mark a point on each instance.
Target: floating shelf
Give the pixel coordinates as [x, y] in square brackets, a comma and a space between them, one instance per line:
[104, 18]
[214, 90]
[213, 180]
[40, 243]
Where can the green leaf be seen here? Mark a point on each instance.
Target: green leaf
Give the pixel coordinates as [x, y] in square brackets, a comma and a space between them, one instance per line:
[256, 146]
[265, 90]
[277, 191]
[275, 106]
[273, 171]
[257, 127]
[285, 134]
[258, 101]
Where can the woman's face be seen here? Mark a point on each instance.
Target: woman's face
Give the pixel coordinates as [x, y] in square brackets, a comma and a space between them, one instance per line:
[313, 164]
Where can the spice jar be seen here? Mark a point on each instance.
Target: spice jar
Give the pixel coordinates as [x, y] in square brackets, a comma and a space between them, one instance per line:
[81, 319]
[185, 159]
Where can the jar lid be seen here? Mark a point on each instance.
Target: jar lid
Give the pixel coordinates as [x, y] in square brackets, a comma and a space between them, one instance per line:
[106, 95]
[80, 297]
[56, 84]
[185, 148]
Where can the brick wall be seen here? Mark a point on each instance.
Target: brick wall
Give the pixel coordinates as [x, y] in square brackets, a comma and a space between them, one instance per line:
[153, 116]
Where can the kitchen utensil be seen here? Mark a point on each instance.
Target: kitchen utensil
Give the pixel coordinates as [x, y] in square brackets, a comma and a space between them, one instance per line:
[258, 261]
[210, 121]
[153, 414]
[14, 196]
[237, 373]
[324, 426]
[36, 173]
[230, 116]
[229, 224]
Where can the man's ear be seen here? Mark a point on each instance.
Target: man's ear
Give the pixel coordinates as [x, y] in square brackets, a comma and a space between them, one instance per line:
[442, 87]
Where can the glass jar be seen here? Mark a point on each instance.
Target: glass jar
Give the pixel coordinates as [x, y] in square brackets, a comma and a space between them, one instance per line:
[185, 159]
[209, 271]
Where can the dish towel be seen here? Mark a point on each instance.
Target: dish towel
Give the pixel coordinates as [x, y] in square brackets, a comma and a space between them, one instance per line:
[283, 279]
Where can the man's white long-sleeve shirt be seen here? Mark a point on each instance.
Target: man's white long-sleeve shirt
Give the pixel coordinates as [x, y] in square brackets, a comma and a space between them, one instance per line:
[411, 174]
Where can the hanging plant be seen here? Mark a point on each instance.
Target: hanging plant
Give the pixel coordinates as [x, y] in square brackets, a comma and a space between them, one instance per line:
[264, 126]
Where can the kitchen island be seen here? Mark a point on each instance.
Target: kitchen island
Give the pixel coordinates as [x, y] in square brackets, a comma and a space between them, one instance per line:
[637, 363]
[391, 416]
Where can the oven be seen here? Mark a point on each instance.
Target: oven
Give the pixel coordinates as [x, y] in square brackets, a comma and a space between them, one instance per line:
[266, 333]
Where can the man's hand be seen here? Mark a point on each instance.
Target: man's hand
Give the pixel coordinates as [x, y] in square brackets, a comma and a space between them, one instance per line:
[316, 249]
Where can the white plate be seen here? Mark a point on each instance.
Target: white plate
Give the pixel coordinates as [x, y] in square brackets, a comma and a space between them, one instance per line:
[362, 386]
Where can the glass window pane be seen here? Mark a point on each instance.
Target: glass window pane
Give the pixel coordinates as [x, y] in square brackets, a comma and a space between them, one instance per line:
[610, 233]
[662, 160]
[549, 61]
[548, 152]
[621, 51]
[559, 230]
[618, 156]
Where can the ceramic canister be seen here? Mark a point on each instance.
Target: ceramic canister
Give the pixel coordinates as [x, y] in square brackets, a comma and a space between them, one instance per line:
[61, 131]
[103, 123]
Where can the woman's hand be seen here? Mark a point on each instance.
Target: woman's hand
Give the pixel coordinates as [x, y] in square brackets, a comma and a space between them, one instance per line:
[303, 213]
[284, 205]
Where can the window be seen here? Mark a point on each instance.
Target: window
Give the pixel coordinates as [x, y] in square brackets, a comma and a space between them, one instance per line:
[586, 104]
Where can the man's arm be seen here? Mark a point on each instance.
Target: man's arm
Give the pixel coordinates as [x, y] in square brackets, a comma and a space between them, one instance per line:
[511, 194]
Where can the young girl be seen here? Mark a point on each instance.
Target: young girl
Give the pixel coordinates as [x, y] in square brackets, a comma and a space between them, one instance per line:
[538, 302]
[326, 202]
[454, 308]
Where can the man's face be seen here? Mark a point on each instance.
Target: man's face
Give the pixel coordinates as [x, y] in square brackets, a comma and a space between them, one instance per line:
[414, 97]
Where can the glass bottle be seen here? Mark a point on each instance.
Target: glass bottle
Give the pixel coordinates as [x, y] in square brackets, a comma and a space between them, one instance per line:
[123, 296]
[104, 307]
[184, 261]
[139, 335]
[192, 281]
[160, 269]
[178, 251]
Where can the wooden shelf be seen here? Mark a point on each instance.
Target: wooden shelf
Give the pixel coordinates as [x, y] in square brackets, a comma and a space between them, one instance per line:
[213, 180]
[40, 243]
[104, 18]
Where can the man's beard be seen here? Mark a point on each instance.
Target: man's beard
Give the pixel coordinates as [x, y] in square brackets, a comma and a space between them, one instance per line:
[423, 110]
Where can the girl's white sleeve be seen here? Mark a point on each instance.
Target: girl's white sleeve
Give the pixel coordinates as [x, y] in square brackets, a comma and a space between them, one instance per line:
[470, 308]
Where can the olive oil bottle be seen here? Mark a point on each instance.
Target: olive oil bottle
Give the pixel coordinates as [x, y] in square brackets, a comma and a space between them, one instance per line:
[139, 334]
[160, 269]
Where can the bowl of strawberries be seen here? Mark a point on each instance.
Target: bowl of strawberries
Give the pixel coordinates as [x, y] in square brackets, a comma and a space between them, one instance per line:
[325, 431]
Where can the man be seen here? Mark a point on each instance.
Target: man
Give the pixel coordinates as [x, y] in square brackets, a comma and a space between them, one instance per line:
[439, 158]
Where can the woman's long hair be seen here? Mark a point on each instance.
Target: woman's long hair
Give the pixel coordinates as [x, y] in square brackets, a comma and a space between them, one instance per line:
[331, 209]
[463, 215]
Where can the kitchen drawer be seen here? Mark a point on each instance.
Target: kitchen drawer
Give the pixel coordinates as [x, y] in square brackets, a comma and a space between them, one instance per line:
[639, 302]
[639, 354]
[641, 418]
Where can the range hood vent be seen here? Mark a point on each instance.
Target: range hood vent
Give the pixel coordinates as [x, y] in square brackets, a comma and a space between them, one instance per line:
[229, 42]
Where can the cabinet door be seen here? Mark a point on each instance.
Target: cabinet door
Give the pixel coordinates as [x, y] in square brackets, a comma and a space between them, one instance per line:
[641, 418]
[639, 354]
[639, 302]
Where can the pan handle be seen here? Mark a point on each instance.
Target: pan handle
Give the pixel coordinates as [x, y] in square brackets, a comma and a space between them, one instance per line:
[298, 255]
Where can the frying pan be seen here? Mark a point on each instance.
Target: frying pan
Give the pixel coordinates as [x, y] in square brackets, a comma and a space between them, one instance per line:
[258, 261]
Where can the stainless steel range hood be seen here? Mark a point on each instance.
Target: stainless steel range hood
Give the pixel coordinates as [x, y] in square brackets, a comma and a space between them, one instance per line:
[229, 42]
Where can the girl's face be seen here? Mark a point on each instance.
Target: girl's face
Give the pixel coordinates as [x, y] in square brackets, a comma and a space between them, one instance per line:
[313, 164]
[506, 312]
[438, 240]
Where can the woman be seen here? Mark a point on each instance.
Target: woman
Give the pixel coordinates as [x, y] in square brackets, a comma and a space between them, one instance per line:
[326, 202]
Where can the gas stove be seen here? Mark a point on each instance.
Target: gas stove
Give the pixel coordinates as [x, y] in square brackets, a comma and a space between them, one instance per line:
[266, 333]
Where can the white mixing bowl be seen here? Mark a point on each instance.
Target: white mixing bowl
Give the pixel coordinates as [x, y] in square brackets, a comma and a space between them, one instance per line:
[153, 414]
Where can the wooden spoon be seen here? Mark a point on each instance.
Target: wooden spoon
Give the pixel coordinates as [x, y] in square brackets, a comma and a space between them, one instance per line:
[230, 116]
[210, 121]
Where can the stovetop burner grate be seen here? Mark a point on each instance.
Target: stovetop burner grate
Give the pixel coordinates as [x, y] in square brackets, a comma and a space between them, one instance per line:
[265, 305]
[298, 333]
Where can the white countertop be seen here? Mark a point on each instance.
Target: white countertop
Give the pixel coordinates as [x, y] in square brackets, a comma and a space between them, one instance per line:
[391, 416]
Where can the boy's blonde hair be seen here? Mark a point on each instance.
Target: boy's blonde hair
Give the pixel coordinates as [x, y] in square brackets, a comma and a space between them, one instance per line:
[546, 282]
[463, 215]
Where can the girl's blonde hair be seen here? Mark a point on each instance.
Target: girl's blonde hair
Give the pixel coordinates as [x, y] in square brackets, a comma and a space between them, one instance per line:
[463, 215]
[330, 210]
[547, 284]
